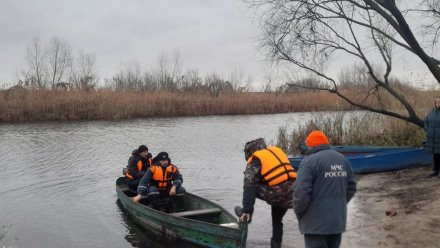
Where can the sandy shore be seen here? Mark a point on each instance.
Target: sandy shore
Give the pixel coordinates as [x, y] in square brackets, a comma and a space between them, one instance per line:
[412, 201]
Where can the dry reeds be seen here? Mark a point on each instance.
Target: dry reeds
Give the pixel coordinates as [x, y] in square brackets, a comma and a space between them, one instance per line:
[40, 105]
[365, 129]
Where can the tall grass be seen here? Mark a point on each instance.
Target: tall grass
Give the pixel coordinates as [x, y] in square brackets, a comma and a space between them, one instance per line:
[40, 105]
[364, 129]
[368, 128]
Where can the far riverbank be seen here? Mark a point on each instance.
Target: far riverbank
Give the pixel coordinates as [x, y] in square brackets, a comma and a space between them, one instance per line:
[45, 105]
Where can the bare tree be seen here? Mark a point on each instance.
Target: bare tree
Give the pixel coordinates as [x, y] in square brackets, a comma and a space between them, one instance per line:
[240, 82]
[216, 84]
[191, 81]
[59, 57]
[177, 69]
[83, 72]
[356, 77]
[36, 58]
[309, 34]
[129, 77]
[168, 72]
[303, 84]
[167, 75]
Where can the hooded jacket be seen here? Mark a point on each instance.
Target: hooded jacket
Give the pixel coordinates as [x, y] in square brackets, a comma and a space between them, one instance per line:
[133, 168]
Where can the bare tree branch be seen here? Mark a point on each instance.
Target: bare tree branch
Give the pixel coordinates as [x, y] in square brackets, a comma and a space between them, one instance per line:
[59, 59]
[308, 34]
[36, 58]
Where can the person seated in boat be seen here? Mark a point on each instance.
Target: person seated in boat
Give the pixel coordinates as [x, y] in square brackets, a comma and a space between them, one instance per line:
[138, 164]
[162, 179]
[268, 176]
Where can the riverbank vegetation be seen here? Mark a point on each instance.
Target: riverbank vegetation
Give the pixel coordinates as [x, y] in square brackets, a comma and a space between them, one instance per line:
[21, 105]
[41, 105]
[365, 128]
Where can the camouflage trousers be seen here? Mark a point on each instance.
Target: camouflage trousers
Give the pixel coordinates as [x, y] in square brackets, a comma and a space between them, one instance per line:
[280, 195]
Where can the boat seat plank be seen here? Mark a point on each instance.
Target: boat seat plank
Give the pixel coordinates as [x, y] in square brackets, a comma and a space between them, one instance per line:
[197, 212]
[123, 187]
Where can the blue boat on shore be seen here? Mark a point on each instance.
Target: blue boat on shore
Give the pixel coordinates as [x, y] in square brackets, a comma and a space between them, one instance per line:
[367, 159]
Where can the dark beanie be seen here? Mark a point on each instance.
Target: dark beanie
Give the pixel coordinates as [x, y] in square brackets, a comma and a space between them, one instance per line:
[142, 148]
[161, 156]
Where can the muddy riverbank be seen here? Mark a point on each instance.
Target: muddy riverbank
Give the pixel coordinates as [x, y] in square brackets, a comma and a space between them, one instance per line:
[395, 209]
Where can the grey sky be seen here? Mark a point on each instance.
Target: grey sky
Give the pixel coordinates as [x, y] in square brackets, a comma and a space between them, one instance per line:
[211, 35]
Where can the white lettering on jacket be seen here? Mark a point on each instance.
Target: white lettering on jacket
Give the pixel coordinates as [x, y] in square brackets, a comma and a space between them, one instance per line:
[336, 170]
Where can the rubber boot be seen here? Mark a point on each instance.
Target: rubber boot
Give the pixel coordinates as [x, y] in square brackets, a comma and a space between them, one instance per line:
[274, 244]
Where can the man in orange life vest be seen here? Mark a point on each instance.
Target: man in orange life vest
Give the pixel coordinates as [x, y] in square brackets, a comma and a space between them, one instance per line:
[161, 179]
[138, 164]
[269, 176]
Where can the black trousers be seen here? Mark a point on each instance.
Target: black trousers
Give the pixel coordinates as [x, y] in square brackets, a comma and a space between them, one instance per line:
[322, 241]
[277, 223]
[133, 184]
[436, 163]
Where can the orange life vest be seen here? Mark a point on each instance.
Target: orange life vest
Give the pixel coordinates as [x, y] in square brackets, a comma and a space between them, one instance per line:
[162, 180]
[139, 166]
[275, 166]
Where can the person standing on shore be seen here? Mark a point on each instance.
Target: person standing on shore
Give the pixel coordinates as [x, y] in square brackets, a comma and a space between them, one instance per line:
[268, 176]
[432, 128]
[324, 186]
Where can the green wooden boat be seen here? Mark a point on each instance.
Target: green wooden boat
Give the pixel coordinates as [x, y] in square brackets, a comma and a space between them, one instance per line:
[197, 221]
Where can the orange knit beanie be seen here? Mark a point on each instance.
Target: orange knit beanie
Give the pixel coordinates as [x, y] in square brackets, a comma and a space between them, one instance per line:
[316, 138]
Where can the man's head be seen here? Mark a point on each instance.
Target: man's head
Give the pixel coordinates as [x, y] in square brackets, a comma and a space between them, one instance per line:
[437, 102]
[253, 146]
[162, 159]
[143, 151]
[316, 138]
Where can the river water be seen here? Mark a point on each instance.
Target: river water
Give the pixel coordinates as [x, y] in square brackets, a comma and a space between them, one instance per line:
[57, 178]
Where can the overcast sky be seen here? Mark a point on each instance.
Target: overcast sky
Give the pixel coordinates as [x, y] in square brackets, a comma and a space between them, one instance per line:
[210, 35]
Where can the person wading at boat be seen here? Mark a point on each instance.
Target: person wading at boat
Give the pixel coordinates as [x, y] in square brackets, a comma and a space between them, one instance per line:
[432, 128]
[162, 179]
[138, 164]
[324, 186]
[268, 176]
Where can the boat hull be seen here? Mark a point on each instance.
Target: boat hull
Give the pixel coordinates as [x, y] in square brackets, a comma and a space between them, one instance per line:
[193, 231]
[368, 159]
